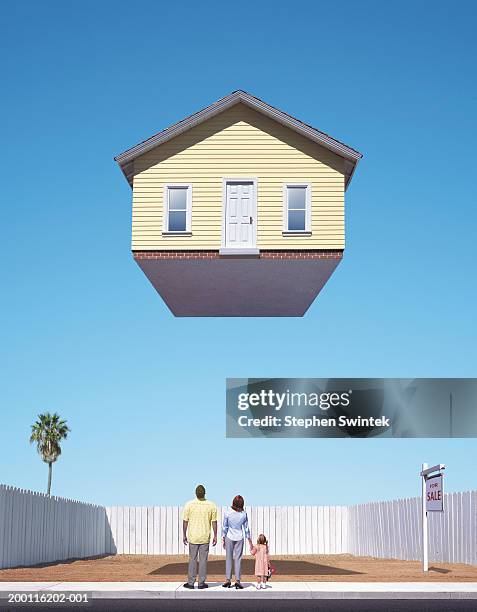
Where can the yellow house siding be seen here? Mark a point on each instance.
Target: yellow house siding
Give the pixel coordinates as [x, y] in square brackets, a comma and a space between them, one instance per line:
[239, 143]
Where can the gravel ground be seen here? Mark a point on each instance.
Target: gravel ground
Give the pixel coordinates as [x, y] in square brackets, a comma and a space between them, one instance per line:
[160, 568]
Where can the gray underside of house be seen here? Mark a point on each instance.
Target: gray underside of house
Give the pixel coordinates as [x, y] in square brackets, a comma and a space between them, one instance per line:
[238, 287]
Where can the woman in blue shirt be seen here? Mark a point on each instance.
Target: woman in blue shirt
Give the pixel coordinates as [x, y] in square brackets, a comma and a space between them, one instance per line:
[234, 529]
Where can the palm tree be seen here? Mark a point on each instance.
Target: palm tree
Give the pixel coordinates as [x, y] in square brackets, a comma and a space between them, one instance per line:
[47, 432]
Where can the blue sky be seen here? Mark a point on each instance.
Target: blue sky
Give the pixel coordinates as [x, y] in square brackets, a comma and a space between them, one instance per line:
[82, 331]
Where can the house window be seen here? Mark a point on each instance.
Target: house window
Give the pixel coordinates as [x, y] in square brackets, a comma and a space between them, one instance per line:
[297, 208]
[177, 213]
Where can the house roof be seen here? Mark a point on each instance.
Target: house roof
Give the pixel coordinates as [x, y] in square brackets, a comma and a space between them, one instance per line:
[352, 157]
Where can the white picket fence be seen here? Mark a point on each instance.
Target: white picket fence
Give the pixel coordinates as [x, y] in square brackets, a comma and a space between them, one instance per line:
[291, 530]
[35, 528]
[393, 529]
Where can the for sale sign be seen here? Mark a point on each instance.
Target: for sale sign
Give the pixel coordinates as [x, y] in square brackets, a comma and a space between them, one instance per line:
[435, 493]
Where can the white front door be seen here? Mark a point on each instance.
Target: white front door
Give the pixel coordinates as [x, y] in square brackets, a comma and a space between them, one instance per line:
[240, 214]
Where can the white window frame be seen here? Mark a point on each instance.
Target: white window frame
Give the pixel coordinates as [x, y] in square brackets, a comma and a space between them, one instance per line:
[307, 230]
[165, 224]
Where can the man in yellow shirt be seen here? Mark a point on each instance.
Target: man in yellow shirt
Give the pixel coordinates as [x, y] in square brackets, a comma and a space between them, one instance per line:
[199, 515]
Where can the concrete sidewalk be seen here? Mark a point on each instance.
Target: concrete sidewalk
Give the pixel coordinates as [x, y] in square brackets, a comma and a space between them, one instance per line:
[276, 590]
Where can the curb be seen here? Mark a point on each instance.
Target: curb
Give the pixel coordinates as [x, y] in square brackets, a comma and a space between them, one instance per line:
[283, 590]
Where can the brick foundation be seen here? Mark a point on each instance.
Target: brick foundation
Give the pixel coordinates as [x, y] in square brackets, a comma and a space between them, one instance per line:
[264, 254]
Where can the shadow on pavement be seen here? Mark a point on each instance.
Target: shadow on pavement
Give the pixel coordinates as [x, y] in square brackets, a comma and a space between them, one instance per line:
[283, 568]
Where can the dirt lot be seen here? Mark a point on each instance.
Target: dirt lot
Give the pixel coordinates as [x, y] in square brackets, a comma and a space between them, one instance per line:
[306, 568]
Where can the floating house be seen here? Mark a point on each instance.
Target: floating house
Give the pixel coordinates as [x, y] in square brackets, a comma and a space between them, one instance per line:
[238, 210]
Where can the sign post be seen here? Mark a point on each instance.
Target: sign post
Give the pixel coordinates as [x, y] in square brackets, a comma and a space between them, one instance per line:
[432, 501]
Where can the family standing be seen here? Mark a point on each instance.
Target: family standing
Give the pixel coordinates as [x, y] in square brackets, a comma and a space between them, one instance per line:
[199, 518]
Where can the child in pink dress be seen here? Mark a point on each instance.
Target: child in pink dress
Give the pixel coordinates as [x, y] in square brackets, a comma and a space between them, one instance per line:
[260, 552]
